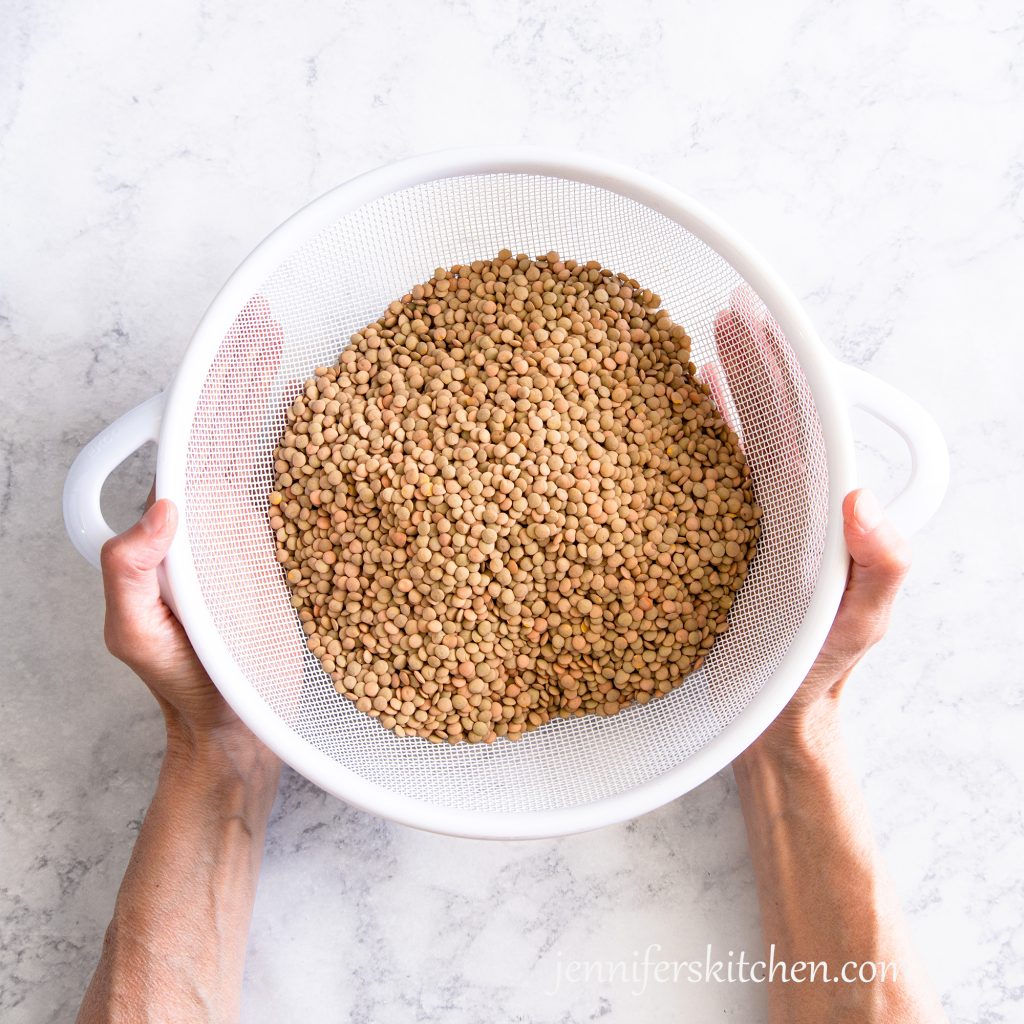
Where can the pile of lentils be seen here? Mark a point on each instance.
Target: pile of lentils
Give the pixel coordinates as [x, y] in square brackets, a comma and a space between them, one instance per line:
[511, 500]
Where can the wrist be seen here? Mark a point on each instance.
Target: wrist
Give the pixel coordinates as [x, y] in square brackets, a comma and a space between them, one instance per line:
[225, 753]
[804, 739]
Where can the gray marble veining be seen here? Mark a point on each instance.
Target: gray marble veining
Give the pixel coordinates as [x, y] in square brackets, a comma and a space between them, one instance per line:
[874, 152]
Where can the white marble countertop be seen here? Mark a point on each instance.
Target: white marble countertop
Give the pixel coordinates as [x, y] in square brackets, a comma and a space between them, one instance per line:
[875, 152]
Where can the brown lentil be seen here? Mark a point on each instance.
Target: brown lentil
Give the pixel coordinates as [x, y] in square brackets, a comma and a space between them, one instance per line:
[511, 500]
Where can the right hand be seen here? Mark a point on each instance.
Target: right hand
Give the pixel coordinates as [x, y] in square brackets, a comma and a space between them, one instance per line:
[752, 362]
[879, 560]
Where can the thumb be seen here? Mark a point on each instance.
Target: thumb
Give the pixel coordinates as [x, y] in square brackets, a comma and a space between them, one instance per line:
[129, 562]
[880, 558]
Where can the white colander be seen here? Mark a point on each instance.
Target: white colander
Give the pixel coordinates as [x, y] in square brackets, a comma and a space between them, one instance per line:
[333, 268]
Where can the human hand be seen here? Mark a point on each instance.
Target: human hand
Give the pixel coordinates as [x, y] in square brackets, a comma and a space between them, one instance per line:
[879, 560]
[178, 934]
[754, 366]
[142, 631]
[140, 628]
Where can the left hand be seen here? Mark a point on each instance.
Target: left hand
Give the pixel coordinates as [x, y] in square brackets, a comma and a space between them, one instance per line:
[142, 632]
[140, 628]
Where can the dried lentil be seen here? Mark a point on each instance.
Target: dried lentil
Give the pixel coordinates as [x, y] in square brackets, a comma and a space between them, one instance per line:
[511, 500]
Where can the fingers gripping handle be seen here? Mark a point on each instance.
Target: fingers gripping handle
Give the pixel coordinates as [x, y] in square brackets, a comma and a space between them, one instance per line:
[83, 516]
[929, 469]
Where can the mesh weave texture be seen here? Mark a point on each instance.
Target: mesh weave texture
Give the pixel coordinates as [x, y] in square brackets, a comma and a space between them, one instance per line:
[343, 279]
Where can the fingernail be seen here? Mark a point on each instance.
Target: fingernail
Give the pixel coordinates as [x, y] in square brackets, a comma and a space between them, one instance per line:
[868, 511]
[155, 518]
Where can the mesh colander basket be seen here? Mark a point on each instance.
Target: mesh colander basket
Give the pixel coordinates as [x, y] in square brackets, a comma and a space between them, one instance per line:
[333, 268]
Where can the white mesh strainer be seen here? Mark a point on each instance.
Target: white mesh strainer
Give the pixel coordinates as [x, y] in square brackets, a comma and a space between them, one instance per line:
[333, 268]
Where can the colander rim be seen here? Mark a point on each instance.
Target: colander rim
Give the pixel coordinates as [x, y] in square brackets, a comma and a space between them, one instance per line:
[818, 367]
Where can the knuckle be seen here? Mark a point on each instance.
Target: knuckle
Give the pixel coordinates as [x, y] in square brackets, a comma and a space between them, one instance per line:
[900, 566]
[120, 643]
[113, 637]
[112, 555]
[108, 552]
[119, 557]
[897, 561]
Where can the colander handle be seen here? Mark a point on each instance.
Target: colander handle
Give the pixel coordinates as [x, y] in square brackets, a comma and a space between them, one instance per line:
[929, 458]
[83, 516]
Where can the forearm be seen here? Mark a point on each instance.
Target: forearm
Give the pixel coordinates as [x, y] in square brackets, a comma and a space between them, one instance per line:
[823, 891]
[175, 949]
